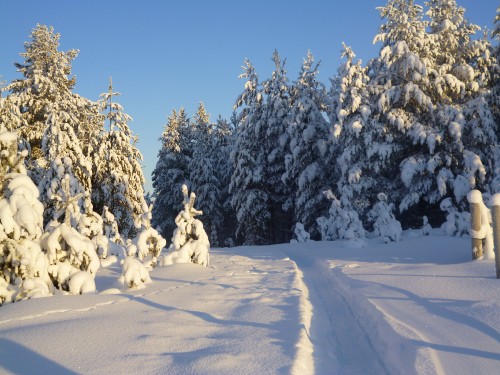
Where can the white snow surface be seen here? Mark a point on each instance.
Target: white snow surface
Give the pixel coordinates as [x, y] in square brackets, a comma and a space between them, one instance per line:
[419, 306]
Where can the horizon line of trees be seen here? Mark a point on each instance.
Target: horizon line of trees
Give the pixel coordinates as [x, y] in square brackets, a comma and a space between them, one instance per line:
[418, 124]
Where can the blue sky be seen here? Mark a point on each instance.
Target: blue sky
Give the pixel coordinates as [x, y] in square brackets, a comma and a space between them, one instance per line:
[175, 53]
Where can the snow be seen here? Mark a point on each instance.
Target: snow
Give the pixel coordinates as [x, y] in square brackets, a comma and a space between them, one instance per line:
[475, 197]
[495, 200]
[419, 306]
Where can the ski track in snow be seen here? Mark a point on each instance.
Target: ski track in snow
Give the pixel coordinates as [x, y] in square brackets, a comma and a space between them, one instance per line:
[340, 336]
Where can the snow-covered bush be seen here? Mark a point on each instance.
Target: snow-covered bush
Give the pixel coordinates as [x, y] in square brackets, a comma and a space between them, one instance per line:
[6, 291]
[111, 243]
[457, 223]
[426, 227]
[134, 273]
[342, 222]
[23, 266]
[68, 252]
[110, 226]
[384, 223]
[149, 242]
[190, 242]
[300, 235]
[79, 282]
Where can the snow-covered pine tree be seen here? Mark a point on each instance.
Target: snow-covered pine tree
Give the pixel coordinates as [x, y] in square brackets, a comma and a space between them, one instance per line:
[190, 242]
[61, 149]
[356, 134]
[342, 221]
[46, 102]
[46, 80]
[402, 117]
[385, 224]
[149, 242]
[60, 184]
[453, 139]
[170, 173]
[494, 102]
[10, 115]
[119, 180]
[204, 176]
[250, 198]
[275, 112]
[72, 256]
[307, 170]
[223, 141]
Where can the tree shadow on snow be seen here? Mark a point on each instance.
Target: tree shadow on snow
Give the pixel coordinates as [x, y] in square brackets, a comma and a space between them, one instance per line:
[20, 359]
[440, 307]
[199, 314]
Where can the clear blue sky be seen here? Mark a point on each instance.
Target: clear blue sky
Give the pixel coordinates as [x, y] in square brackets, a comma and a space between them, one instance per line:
[172, 53]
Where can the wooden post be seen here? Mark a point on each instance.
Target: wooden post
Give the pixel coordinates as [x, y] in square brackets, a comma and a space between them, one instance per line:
[476, 201]
[477, 243]
[496, 231]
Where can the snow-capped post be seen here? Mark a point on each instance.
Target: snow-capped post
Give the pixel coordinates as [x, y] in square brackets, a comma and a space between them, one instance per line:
[496, 230]
[475, 201]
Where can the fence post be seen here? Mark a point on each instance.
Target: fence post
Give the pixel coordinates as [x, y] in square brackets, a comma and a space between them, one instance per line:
[496, 230]
[475, 199]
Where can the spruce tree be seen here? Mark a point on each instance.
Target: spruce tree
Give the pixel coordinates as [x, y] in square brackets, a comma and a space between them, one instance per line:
[222, 145]
[276, 109]
[306, 170]
[458, 128]
[494, 103]
[119, 180]
[45, 100]
[250, 198]
[355, 132]
[170, 174]
[46, 81]
[400, 122]
[203, 175]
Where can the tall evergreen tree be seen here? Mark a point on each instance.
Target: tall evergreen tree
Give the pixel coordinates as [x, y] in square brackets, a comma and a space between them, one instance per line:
[459, 129]
[250, 198]
[222, 145]
[119, 180]
[46, 81]
[402, 117]
[307, 171]
[203, 175]
[494, 101]
[355, 132]
[170, 174]
[275, 112]
[45, 99]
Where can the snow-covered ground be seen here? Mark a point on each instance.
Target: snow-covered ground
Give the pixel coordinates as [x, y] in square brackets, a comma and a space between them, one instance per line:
[418, 306]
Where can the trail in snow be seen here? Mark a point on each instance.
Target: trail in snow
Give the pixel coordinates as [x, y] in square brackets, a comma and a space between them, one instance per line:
[422, 304]
[346, 333]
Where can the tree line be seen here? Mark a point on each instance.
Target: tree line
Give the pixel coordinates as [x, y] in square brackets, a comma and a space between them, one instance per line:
[419, 124]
